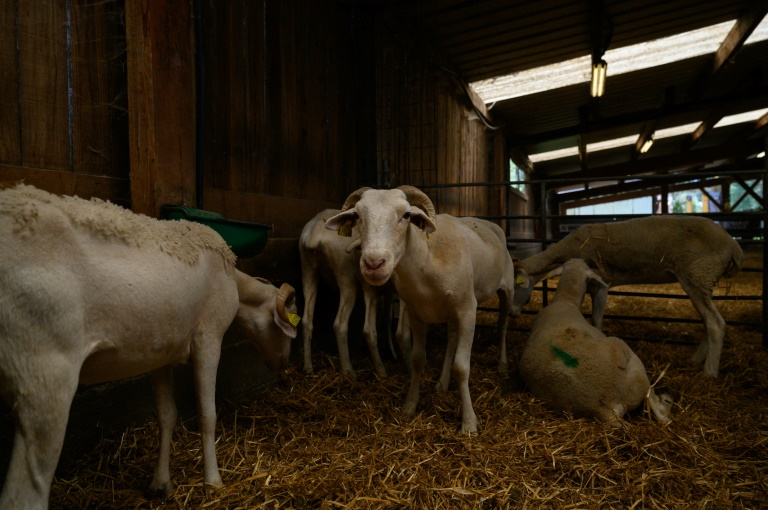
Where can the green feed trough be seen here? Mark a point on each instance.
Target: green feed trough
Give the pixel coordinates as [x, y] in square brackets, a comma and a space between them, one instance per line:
[246, 239]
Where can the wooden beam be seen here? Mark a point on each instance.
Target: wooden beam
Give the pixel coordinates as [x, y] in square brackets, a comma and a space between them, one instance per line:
[716, 114]
[579, 199]
[675, 161]
[161, 103]
[64, 182]
[643, 186]
[745, 25]
[604, 123]
[650, 127]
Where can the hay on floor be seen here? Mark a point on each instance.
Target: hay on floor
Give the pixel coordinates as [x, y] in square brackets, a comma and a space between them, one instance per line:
[329, 442]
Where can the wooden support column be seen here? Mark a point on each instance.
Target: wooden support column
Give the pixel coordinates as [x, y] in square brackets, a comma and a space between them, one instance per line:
[161, 103]
[498, 196]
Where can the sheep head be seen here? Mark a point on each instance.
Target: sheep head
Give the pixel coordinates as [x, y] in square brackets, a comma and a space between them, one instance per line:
[383, 218]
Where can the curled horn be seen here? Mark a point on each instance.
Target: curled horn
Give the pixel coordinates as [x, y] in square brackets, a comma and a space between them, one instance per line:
[285, 294]
[418, 198]
[354, 198]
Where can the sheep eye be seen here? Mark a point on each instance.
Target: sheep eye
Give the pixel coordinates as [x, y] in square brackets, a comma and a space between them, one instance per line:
[407, 216]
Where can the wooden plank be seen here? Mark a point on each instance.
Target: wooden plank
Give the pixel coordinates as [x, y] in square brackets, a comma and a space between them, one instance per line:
[740, 32]
[10, 116]
[100, 120]
[43, 97]
[217, 77]
[256, 130]
[287, 215]
[161, 100]
[234, 112]
[64, 182]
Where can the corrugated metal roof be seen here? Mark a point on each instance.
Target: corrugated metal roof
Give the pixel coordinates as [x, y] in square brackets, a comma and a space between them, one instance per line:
[481, 39]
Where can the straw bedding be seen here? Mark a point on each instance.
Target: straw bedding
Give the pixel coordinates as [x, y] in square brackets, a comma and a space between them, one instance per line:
[328, 442]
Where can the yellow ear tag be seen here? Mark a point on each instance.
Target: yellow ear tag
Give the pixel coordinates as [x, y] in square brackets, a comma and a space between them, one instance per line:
[293, 318]
[520, 279]
[346, 229]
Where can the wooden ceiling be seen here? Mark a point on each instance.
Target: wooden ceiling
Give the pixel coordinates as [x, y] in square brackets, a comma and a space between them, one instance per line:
[480, 39]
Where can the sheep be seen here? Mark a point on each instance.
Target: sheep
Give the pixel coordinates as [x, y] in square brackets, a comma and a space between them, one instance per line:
[324, 255]
[442, 267]
[572, 366]
[91, 292]
[692, 250]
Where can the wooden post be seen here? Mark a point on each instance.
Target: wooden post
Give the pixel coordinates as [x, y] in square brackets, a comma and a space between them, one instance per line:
[161, 103]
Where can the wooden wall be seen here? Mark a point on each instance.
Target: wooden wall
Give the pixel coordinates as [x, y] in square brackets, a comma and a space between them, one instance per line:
[63, 100]
[285, 127]
[427, 133]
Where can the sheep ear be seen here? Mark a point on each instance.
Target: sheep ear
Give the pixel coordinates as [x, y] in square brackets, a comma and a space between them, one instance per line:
[353, 245]
[595, 279]
[555, 272]
[343, 223]
[421, 220]
[522, 279]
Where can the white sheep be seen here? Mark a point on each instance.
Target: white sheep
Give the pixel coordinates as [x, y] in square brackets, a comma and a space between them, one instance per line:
[572, 366]
[91, 292]
[692, 250]
[442, 267]
[324, 254]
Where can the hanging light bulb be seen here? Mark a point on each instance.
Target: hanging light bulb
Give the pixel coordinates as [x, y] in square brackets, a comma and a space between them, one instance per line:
[646, 145]
[599, 70]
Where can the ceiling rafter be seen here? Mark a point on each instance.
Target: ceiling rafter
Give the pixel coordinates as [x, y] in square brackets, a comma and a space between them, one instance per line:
[650, 126]
[677, 161]
[640, 116]
[742, 29]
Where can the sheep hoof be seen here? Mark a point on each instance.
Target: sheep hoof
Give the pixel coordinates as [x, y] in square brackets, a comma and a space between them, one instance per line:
[160, 490]
[380, 374]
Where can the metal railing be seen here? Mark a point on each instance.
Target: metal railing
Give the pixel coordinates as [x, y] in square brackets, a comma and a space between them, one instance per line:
[543, 222]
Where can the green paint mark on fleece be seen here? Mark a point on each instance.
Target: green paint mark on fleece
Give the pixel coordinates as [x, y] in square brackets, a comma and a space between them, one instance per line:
[568, 360]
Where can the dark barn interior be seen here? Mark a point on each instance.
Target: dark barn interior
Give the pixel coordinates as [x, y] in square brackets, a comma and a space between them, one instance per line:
[269, 111]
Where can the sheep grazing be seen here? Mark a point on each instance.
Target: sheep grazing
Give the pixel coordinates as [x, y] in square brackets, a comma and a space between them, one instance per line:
[91, 292]
[692, 250]
[573, 367]
[324, 255]
[442, 267]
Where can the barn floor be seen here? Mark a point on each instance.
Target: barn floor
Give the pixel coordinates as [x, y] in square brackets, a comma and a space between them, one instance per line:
[328, 442]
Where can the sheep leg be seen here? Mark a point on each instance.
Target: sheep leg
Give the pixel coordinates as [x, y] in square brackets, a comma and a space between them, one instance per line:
[309, 281]
[347, 297]
[403, 336]
[370, 331]
[461, 362]
[205, 364]
[388, 296]
[167, 413]
[41, 410]
[504, 307]
[418, 360]
[450, 353]
[710, 348]
[659, 407]
[599, 296]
